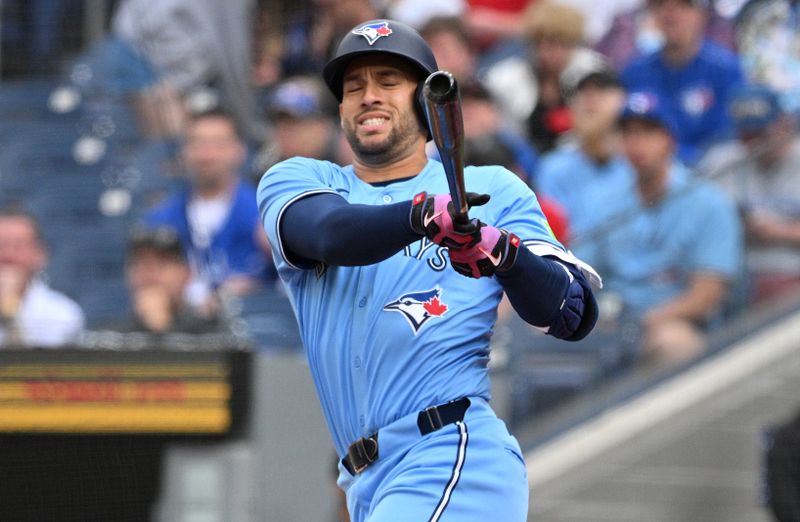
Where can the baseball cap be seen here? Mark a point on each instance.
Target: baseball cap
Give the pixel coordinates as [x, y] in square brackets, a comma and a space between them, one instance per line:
[595, 71]
[753, 107]
[650, 107]
[164, 240]
[298, 98]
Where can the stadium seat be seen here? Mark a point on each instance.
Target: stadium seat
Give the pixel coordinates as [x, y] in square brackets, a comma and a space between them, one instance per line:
[268, 319]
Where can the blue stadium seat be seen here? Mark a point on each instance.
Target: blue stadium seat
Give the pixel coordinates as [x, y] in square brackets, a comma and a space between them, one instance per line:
[103, 300]
[82, 255]
[26, 100]
[269, 320]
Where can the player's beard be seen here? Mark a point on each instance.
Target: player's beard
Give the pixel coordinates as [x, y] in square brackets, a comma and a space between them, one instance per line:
[397, 144]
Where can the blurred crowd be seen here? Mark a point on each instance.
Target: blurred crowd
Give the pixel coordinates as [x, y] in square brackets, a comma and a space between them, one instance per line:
[660, 137]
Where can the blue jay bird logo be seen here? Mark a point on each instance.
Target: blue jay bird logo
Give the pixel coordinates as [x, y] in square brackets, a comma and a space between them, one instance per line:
[418, 307]
[372, 32]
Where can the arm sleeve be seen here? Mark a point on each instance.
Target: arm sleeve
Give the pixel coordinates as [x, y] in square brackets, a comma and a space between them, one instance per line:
[547, 285]
[551, 295]
[345, 234]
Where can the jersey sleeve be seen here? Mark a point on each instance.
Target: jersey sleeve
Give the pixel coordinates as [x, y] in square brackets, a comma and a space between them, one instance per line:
[283, 184]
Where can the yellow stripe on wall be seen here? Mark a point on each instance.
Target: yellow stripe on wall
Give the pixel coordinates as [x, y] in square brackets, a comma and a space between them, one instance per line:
[95, 418]
[114, 392]
[113, 370]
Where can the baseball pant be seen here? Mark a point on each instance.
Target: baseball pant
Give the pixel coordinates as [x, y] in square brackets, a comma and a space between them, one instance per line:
[467, 471]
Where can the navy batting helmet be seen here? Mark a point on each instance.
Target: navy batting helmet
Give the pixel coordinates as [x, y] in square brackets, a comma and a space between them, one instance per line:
[385, 37]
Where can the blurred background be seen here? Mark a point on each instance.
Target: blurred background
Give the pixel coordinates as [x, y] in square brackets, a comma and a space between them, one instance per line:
[150, 365]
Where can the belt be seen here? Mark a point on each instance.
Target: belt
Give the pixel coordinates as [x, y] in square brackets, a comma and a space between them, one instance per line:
[364, 451]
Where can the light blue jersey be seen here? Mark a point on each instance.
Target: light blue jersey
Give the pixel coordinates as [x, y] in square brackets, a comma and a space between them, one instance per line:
[387, 340]
[587, 190]
[652, 253]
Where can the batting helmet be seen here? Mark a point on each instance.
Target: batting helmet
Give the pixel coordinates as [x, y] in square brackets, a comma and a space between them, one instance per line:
[385, 37]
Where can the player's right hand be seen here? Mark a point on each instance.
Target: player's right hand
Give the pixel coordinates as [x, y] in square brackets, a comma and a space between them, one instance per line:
[433, 216]
[496, 252]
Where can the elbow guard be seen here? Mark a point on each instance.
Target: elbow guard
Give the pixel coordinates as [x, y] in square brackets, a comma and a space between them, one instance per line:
[578, 312]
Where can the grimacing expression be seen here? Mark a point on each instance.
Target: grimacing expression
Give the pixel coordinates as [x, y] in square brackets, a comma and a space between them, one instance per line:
[377, 109]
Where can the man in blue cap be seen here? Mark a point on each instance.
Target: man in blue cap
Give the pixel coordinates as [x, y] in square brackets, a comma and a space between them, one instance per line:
[673, 248]
[693, 76]
[759, 170]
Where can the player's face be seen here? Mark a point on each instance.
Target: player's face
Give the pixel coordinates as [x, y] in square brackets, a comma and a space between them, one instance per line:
[649, 147]
[21, 251]
[377, 109]
[213, 152]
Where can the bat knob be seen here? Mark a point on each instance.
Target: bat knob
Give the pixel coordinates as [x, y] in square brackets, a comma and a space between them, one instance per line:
[440, 87]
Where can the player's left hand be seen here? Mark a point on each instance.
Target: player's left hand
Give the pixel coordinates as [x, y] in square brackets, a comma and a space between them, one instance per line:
[434, 217]
[495, 252]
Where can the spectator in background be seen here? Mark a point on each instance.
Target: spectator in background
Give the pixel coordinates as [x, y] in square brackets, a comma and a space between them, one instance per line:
[482, 117]
[675, 249]
[31, 313]
[693, 75]
[490, 149]
[587, 174]
[491, 22]
[179, 46]
[310, 38]
[761, 171]
[157, 274]
[300, 110]
[527, 89]
[634, 32]
[452, 47]
[418, 13]
[216, 216]
[768, 41]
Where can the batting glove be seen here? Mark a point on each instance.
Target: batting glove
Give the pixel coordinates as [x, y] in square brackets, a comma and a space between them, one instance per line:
[495, 252]
[433, 217]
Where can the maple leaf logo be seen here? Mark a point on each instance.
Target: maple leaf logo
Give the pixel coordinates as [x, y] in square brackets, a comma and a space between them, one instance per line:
[435, 307]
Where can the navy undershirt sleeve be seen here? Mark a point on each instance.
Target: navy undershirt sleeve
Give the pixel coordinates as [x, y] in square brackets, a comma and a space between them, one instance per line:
[536, 287]
[326, 228]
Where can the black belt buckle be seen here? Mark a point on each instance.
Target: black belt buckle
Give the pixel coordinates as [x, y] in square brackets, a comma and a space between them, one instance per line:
[435, 418]
[362, 453]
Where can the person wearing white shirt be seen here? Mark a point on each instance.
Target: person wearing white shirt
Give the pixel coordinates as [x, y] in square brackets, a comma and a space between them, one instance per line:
[31, 313]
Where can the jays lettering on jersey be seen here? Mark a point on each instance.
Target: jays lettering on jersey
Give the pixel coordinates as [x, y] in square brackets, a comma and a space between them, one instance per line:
[391, 338]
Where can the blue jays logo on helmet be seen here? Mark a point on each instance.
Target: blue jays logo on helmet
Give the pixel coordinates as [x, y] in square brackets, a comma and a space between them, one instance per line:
[418, 307]
[372, 32]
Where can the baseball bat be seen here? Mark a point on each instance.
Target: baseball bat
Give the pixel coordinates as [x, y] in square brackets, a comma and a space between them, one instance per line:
[443, 107]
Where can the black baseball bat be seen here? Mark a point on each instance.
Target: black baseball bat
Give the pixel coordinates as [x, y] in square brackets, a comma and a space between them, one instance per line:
[443, 107]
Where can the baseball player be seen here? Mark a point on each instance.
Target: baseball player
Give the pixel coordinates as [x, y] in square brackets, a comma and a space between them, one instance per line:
[396, 305]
